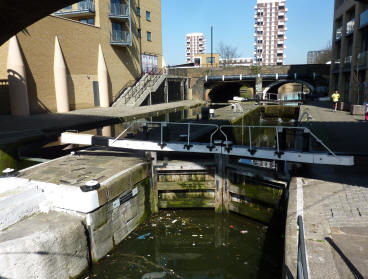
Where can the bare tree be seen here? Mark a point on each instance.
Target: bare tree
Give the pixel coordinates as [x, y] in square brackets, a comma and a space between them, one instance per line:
[227, 53]
[324, 55]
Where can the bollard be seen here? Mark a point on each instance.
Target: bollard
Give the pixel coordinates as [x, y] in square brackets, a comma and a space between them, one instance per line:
[212, 113]
[8, 172]
[90, 185]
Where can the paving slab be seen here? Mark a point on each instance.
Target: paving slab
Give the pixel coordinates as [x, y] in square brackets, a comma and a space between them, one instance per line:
[335, 222]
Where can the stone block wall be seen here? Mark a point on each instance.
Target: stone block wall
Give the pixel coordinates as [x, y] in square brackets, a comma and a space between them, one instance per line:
[114, 221]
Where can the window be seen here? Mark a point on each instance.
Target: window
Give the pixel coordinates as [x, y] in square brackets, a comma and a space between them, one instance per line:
[139, 33]
[138, 11]
[209, 60]
[90, 21]
[148, 15]
[149, 37]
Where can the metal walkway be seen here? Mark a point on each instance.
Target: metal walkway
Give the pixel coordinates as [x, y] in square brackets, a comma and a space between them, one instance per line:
[284, 143]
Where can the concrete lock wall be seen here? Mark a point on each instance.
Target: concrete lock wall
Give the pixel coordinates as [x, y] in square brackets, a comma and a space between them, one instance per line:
[79, 44]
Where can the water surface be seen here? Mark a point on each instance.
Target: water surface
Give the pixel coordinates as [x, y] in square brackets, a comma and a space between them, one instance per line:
[193, 245]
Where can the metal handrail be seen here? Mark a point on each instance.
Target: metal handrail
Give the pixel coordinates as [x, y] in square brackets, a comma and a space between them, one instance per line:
[280, 128]
[219, 128]
[302, 268]
[188, 124]
[150, 81]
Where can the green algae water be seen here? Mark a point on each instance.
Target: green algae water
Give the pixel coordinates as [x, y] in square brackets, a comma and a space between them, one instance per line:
[195, 245]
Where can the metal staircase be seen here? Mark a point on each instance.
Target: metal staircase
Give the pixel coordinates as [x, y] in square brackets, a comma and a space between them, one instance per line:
[135, 96]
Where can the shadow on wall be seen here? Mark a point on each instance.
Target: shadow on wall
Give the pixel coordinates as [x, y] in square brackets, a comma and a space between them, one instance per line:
[4, 97]
[35, 104]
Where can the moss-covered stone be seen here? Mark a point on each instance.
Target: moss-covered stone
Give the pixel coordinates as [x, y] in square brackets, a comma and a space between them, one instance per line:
[281, 111]
[261, 193]
[253, 210]
[187, 203]
[8, 156]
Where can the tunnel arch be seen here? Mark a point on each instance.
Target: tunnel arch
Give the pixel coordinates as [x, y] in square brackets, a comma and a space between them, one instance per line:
[279, 83]
[224, 91]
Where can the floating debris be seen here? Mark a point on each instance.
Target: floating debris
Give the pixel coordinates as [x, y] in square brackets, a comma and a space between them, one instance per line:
[173, 222]
[144, 236]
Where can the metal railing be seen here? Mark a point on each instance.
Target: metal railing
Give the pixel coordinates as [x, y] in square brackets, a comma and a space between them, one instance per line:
[125, 87]
[302, 268]
[82, 7]
[347, 62]
[281, 138]
[362, 58]
[120, 37]
[350, 26]
[147, 82]
[338, 33]
[119, 10]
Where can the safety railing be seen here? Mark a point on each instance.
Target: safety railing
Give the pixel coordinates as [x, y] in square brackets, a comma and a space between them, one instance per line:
[281, 138]
[136, 92]
[302, 268]
[118, 37]
[119, 10]
[86, 6]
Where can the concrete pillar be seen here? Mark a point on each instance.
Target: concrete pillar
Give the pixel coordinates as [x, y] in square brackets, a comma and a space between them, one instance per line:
[166, 91]
[18, 93]
[60, 79]
[259, 87]
[103, 86]
[182, 90]
[150, 98]
[187, 89]
[221, 190]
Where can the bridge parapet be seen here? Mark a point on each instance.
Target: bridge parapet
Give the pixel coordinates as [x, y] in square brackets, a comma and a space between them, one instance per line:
[302, 69]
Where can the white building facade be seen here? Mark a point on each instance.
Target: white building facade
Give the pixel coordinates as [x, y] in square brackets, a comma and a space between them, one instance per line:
[195, 44]
[270, 32]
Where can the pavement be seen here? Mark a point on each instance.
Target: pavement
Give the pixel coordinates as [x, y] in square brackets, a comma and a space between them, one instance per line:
[335, 212]
[16, 128]
[339, 130]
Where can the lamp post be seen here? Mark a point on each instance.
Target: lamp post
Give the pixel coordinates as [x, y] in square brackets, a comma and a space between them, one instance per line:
[211, 49]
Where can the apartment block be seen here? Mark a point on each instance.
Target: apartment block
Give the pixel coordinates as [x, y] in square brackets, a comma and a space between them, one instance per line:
[270, 32]
[350, 52]
[195, 44]
[85, 48]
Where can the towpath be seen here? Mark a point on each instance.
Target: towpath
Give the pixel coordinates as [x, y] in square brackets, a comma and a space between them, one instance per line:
[341, 131]
[332, 200]
[14, 128]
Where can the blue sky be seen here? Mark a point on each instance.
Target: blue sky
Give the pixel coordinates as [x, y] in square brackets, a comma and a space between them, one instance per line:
[309, 26]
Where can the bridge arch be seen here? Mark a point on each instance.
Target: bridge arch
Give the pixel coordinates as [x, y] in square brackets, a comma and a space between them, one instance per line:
[279, 83]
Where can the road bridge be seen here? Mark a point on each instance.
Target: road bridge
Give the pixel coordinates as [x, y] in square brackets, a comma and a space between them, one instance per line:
[222, 84]
[16, 15]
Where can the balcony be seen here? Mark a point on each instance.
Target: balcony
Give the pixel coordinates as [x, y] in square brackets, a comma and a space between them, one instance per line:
[336, 65]
[350, 27]
[81, 9]
[363, 19]
[120, 38]
[362, 59]
[338, 33]
[119, 11]
[347, 63]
